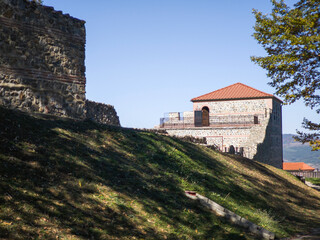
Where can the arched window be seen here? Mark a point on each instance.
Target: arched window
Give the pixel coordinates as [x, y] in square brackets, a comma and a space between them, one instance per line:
[232, 150]
[205, 117]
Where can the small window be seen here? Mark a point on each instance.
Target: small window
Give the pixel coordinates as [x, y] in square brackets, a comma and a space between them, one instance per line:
[255, 120]
[198, 118]
[205, 117]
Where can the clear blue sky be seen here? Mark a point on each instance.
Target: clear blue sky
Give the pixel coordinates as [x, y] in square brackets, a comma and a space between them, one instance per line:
[148, 57]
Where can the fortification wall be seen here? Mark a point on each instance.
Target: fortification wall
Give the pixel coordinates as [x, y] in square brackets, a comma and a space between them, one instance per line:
[221, 137]
[42, 54]
[102, 113]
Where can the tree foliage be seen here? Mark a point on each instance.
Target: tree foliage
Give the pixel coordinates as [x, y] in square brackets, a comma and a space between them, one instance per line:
[291, 39]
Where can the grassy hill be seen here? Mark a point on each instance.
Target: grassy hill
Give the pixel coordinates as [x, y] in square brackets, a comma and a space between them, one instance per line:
[297, 152]
[62, 179]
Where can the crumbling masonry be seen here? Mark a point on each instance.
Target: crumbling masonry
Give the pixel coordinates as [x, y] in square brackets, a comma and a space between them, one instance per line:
[42, 53]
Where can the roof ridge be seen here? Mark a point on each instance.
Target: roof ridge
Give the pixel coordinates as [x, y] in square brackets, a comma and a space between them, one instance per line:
[295, 165]
[218, 90]
[293, 162]
[255, 89]
[234, 89]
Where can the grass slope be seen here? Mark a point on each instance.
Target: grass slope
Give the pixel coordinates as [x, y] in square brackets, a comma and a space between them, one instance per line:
[61, 179]
[315, 181]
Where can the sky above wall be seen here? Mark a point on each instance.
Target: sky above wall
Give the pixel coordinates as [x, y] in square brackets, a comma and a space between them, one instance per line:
[149, 57]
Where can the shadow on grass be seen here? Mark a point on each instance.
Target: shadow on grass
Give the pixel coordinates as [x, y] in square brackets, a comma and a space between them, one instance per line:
[50, 170]
[61, 177]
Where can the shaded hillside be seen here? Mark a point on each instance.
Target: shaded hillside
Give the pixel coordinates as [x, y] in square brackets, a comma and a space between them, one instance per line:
[61, 179]
[294, 151]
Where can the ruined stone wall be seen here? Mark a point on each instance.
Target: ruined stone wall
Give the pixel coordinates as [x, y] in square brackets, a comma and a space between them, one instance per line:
[102, 113]
[42, 53]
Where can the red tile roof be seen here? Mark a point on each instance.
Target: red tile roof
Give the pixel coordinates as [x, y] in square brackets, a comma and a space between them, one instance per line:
[296, 166]
[235, 91]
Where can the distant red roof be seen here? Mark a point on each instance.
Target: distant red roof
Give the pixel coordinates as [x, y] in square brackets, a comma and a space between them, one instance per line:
[296, 166]
[235, 91]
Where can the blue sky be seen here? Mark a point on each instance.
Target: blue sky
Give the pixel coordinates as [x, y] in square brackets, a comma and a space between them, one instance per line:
[148, 57]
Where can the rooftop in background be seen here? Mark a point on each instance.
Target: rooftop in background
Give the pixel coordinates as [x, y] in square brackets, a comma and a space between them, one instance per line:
[297, 166]
[234, 91]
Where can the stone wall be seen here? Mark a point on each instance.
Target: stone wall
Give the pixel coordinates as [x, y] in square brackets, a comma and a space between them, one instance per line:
[270, 148]
[102, 113]
[229, 107]
[42, 54]
[221, 137]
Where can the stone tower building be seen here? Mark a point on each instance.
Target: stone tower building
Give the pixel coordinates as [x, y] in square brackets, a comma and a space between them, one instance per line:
[235, 117]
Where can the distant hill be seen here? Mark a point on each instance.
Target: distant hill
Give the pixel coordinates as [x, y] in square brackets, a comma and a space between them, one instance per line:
[294, 151]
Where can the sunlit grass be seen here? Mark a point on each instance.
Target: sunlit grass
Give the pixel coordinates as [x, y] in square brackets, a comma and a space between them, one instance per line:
[80, 180]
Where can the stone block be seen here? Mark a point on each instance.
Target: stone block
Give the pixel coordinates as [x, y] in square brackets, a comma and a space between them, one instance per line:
[231, 216]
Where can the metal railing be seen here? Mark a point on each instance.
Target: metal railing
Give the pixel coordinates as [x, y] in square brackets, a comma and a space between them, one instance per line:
[214, 121]
[306, 174]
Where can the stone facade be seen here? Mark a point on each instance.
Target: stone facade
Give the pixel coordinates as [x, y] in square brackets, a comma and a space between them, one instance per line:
[252, 126]
[42, 53]
[42, 56]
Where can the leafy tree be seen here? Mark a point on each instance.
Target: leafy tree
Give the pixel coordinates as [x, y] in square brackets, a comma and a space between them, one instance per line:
[291, 38]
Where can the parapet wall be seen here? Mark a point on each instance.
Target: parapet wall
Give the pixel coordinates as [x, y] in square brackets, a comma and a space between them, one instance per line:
[102, 113]
[42, 53]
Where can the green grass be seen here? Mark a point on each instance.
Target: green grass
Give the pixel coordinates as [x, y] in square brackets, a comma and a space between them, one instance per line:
[315, 181]
[64, 179]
